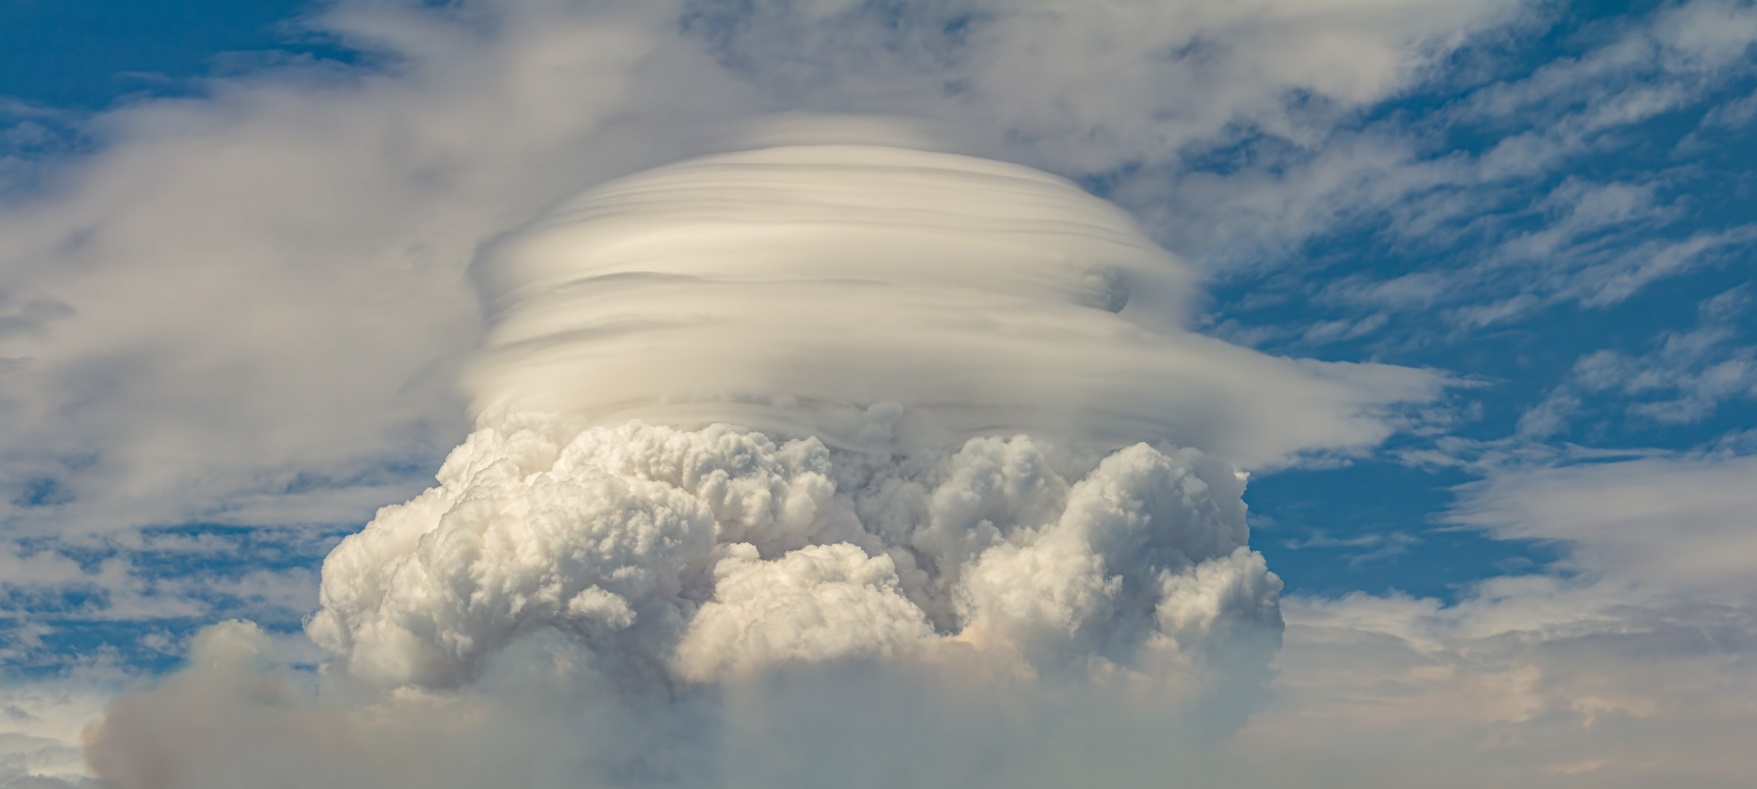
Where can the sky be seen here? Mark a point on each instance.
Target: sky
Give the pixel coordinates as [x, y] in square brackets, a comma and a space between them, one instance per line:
[1436, 320]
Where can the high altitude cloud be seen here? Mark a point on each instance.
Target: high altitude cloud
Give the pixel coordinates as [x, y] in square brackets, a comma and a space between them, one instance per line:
[1529, 219]
[890, 299]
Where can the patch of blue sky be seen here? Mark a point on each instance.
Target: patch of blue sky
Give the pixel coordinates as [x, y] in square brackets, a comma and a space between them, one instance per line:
[82, 55]
[1372, 527]
[61, 61]
[1558, 250]
[137, 604]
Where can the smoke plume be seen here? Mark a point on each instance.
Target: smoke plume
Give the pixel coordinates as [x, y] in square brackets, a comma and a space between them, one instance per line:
[813, 464]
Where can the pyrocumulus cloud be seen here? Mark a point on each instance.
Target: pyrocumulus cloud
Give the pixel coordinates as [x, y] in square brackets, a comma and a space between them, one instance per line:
[869, 420]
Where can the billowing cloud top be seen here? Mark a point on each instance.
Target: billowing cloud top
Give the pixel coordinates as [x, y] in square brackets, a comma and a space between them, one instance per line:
[886, 298]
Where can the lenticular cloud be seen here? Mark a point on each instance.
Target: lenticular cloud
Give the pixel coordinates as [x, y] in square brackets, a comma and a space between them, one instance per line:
[889, 300]
[750, 422]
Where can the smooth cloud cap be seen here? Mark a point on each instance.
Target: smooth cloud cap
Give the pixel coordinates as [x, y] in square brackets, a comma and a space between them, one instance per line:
[887, 299]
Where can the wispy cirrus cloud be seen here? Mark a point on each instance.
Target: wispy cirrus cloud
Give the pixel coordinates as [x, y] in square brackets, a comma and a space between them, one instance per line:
[1436, 193]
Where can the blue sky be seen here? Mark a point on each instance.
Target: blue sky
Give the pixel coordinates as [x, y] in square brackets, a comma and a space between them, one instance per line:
[1687, 173]
[90, 55]
[1548, 205]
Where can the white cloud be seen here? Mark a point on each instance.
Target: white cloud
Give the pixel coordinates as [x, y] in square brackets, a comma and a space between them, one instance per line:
[658, 570]
[249, 298]
[651, 606]
[1672, 523]
[1684, 377]
[40, 725]
[1108, 84]
[802, 291]
[805, 290]
[1629, 664]
[693, 553]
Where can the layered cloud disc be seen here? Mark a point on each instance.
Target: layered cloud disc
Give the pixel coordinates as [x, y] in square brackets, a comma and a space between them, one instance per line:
[890, 299]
